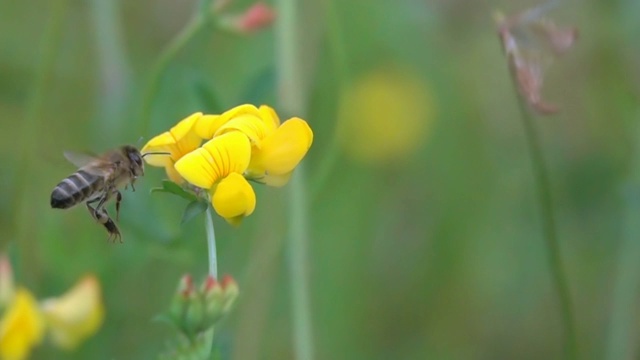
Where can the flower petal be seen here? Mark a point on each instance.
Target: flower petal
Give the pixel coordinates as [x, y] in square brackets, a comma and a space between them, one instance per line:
[270, 118]
[186, 138]
[207, 125]
[253, 127]
[185, 126]
[21, 326]
[197, 167]
[178, 141]
[77, 314]
[215, 160]
[173, 174]
[283, 149]
[161, 143]
[233, 198]
[276, 180]
[245, 109]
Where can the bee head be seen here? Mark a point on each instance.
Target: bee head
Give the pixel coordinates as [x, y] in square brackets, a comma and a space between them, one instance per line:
[135, 159]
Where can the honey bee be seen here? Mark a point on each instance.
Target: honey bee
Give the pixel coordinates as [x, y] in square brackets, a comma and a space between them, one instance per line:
[97, 181]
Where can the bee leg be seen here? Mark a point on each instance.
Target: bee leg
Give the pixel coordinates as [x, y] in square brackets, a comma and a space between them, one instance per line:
[105, 196]
[102, 217]
[118, 200]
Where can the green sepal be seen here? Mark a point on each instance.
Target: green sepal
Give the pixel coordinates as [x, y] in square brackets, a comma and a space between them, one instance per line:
[193, 209]
[173, 188]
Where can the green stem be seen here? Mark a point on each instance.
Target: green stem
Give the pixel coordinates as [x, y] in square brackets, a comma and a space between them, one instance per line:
[549, 230]
[626, 285]
[292, 96]
[195, 25]
[211, 244]
[340, 58]
[114, 67]
[213, 271]
[337, 43]
[298, 266]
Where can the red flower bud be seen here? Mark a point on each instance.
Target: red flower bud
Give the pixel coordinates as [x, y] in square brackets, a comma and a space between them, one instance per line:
[257, 17]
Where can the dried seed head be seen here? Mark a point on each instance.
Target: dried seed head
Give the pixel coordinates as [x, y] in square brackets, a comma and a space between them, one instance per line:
[529, 42]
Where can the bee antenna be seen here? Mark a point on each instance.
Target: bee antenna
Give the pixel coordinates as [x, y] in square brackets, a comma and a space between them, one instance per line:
[156, 153]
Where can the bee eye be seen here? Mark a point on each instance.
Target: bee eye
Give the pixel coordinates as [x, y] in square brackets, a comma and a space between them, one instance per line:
[135, 158]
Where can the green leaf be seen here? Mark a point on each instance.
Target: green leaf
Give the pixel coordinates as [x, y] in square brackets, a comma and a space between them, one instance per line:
[194, 209]
[173, 188]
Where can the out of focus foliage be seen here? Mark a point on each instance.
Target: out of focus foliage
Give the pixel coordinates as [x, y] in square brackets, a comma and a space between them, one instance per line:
[426, 241]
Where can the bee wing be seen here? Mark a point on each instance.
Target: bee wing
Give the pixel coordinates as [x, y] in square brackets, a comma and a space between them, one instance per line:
[79, 159]
[91, 163]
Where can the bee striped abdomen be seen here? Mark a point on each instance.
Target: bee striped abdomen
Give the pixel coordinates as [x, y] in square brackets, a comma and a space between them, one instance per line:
[75, 189]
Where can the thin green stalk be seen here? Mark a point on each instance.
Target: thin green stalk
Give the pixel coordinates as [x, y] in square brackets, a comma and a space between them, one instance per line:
[292, 96]
[114, 67]
[621, 342]
[211, 244]
[541, 178]
[340, 57]
[194, 27]
[213, 271]
[298, 266]
[338, 49]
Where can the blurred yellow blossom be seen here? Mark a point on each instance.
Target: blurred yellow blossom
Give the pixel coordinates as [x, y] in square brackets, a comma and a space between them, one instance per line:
[21, 327]
[178, 141]
[76, 315]
[385, 115]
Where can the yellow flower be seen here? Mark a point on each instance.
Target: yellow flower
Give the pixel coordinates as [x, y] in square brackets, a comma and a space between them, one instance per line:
[21, 327]
[218, 167]
[275, 149]
[76, 315]
[179, 141]
[208, 125]
[385, 116]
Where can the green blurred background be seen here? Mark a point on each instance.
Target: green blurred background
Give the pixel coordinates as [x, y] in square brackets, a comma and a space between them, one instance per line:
[429, 250]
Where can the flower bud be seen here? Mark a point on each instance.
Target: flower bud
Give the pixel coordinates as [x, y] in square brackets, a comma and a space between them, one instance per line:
[180, 299]
[194, 317]
[7, 288]
[219, 298]
[258, 17]
[213, 298]
[231, 292]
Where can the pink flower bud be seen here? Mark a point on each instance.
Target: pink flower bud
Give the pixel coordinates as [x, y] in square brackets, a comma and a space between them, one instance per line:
[218, 301]
[179, 304]
[257, 17]
[7, 288]
[185, 287]
[254, 19]
[209, 284]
